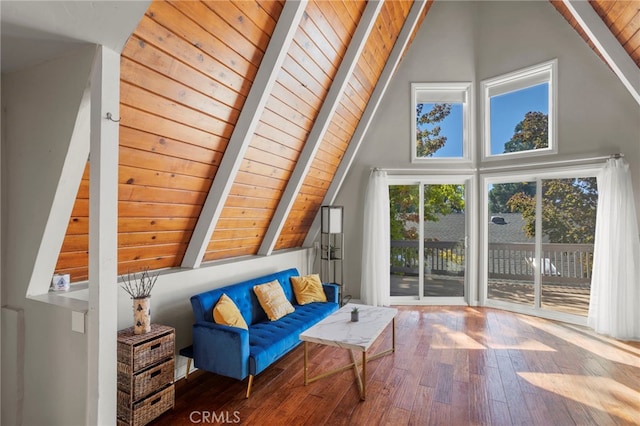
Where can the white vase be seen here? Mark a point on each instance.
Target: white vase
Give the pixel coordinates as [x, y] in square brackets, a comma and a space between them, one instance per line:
[141, 315]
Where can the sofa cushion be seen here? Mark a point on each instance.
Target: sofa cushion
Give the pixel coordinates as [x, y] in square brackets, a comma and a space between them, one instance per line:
[308, 288]
[268, 340]
[243, 296]
[272, 299]
[226, 313]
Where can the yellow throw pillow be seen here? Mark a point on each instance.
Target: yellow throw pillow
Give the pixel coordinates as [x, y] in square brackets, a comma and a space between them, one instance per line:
[308, 288]
[272, 299]
[227, 313]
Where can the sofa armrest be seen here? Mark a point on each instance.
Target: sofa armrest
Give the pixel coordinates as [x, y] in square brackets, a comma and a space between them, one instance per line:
[221, 349]
[331, 291]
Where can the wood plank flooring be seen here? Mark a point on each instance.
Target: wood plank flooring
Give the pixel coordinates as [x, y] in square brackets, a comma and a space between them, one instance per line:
[452, 366]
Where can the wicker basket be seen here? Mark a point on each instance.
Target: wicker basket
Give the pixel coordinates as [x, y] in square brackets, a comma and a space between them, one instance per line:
[156, 346]
[145, 374]
[142, 384]
[146, 410]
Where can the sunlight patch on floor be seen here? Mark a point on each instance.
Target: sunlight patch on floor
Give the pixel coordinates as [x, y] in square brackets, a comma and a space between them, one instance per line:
[603, 346]
[526, 345]
[445, 338]
[602, 393]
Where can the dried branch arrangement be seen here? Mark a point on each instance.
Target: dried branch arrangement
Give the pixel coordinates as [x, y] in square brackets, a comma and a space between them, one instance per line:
[139, 287]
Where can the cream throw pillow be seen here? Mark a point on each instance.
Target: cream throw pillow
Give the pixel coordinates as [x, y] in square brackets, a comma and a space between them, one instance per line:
[308, 289]
[272, 299]
[227, 313]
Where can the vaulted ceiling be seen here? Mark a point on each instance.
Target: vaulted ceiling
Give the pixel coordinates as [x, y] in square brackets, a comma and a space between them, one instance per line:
[239, 117]
[621, 17]
[235, 117]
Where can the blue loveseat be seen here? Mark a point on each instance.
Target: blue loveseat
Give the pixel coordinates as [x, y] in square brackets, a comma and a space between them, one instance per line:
[239, 353]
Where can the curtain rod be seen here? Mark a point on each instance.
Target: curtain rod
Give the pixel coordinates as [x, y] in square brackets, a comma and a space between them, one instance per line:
[501, 167]
[422, 170]
[585, 160]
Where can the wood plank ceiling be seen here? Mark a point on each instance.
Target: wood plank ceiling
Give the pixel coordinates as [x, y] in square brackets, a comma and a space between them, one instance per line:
[186, 73]
[621, 17]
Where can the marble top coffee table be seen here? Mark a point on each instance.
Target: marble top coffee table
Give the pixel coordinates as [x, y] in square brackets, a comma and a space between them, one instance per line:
[338, 330]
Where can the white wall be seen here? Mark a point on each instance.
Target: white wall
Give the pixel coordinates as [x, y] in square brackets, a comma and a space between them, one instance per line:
[40, 106]
[597, 115]
[472, 41]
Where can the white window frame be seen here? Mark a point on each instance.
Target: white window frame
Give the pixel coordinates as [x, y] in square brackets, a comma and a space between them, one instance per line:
[443, 93]
[546, 72]
[530, 175]
[470, 297]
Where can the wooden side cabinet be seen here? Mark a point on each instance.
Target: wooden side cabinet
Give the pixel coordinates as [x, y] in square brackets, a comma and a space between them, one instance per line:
[145, 374]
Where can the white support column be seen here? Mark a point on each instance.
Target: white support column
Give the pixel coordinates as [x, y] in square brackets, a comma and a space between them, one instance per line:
[608, 46]
[369, 112]
[321, 125]
[103, 238]
[247, 121]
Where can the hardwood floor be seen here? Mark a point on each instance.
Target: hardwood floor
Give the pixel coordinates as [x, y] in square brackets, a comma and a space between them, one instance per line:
[452, 366]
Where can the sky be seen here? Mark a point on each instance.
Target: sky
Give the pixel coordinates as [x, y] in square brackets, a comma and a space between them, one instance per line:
[451, 127]
[507, 111]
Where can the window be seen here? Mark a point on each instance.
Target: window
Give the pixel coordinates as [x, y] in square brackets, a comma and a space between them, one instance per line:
[539, 237]
[441, 123]
[519, 113]
[430, 262]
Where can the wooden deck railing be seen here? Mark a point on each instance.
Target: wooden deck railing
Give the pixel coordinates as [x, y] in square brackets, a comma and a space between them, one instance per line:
[563, 263]
[441, 257]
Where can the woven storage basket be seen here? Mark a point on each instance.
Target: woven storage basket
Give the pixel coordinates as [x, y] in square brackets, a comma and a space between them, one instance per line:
[146, 410]
[145, 382]
[148, 351]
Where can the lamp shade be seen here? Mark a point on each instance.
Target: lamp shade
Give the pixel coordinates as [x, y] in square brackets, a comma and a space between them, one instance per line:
[331, 219]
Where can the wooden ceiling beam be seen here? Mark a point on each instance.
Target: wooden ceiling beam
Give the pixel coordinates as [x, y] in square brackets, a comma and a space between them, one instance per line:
[367, 117]
[320, 126]
[261, 88]
[608, 46]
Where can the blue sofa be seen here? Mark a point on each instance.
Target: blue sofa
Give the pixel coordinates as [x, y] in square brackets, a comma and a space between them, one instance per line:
[239, 353]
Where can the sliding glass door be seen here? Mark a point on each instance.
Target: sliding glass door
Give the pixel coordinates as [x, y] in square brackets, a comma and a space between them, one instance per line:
[539, 242]
[568, 229]
[405, 240]
[428, 240]
[511, 248]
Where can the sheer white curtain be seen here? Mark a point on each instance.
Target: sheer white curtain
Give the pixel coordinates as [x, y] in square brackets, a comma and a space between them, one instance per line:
[374, 287]
[614, 308]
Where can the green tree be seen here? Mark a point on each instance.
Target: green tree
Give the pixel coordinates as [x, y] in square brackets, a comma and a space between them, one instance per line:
[568, 205]
[403, 208]
[442, 199]
[531, 133]
[501, 193]
[404, 202]
[428, 137]
[568, 210]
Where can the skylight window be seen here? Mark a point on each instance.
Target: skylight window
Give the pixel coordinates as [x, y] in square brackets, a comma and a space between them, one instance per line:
[519, 113]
